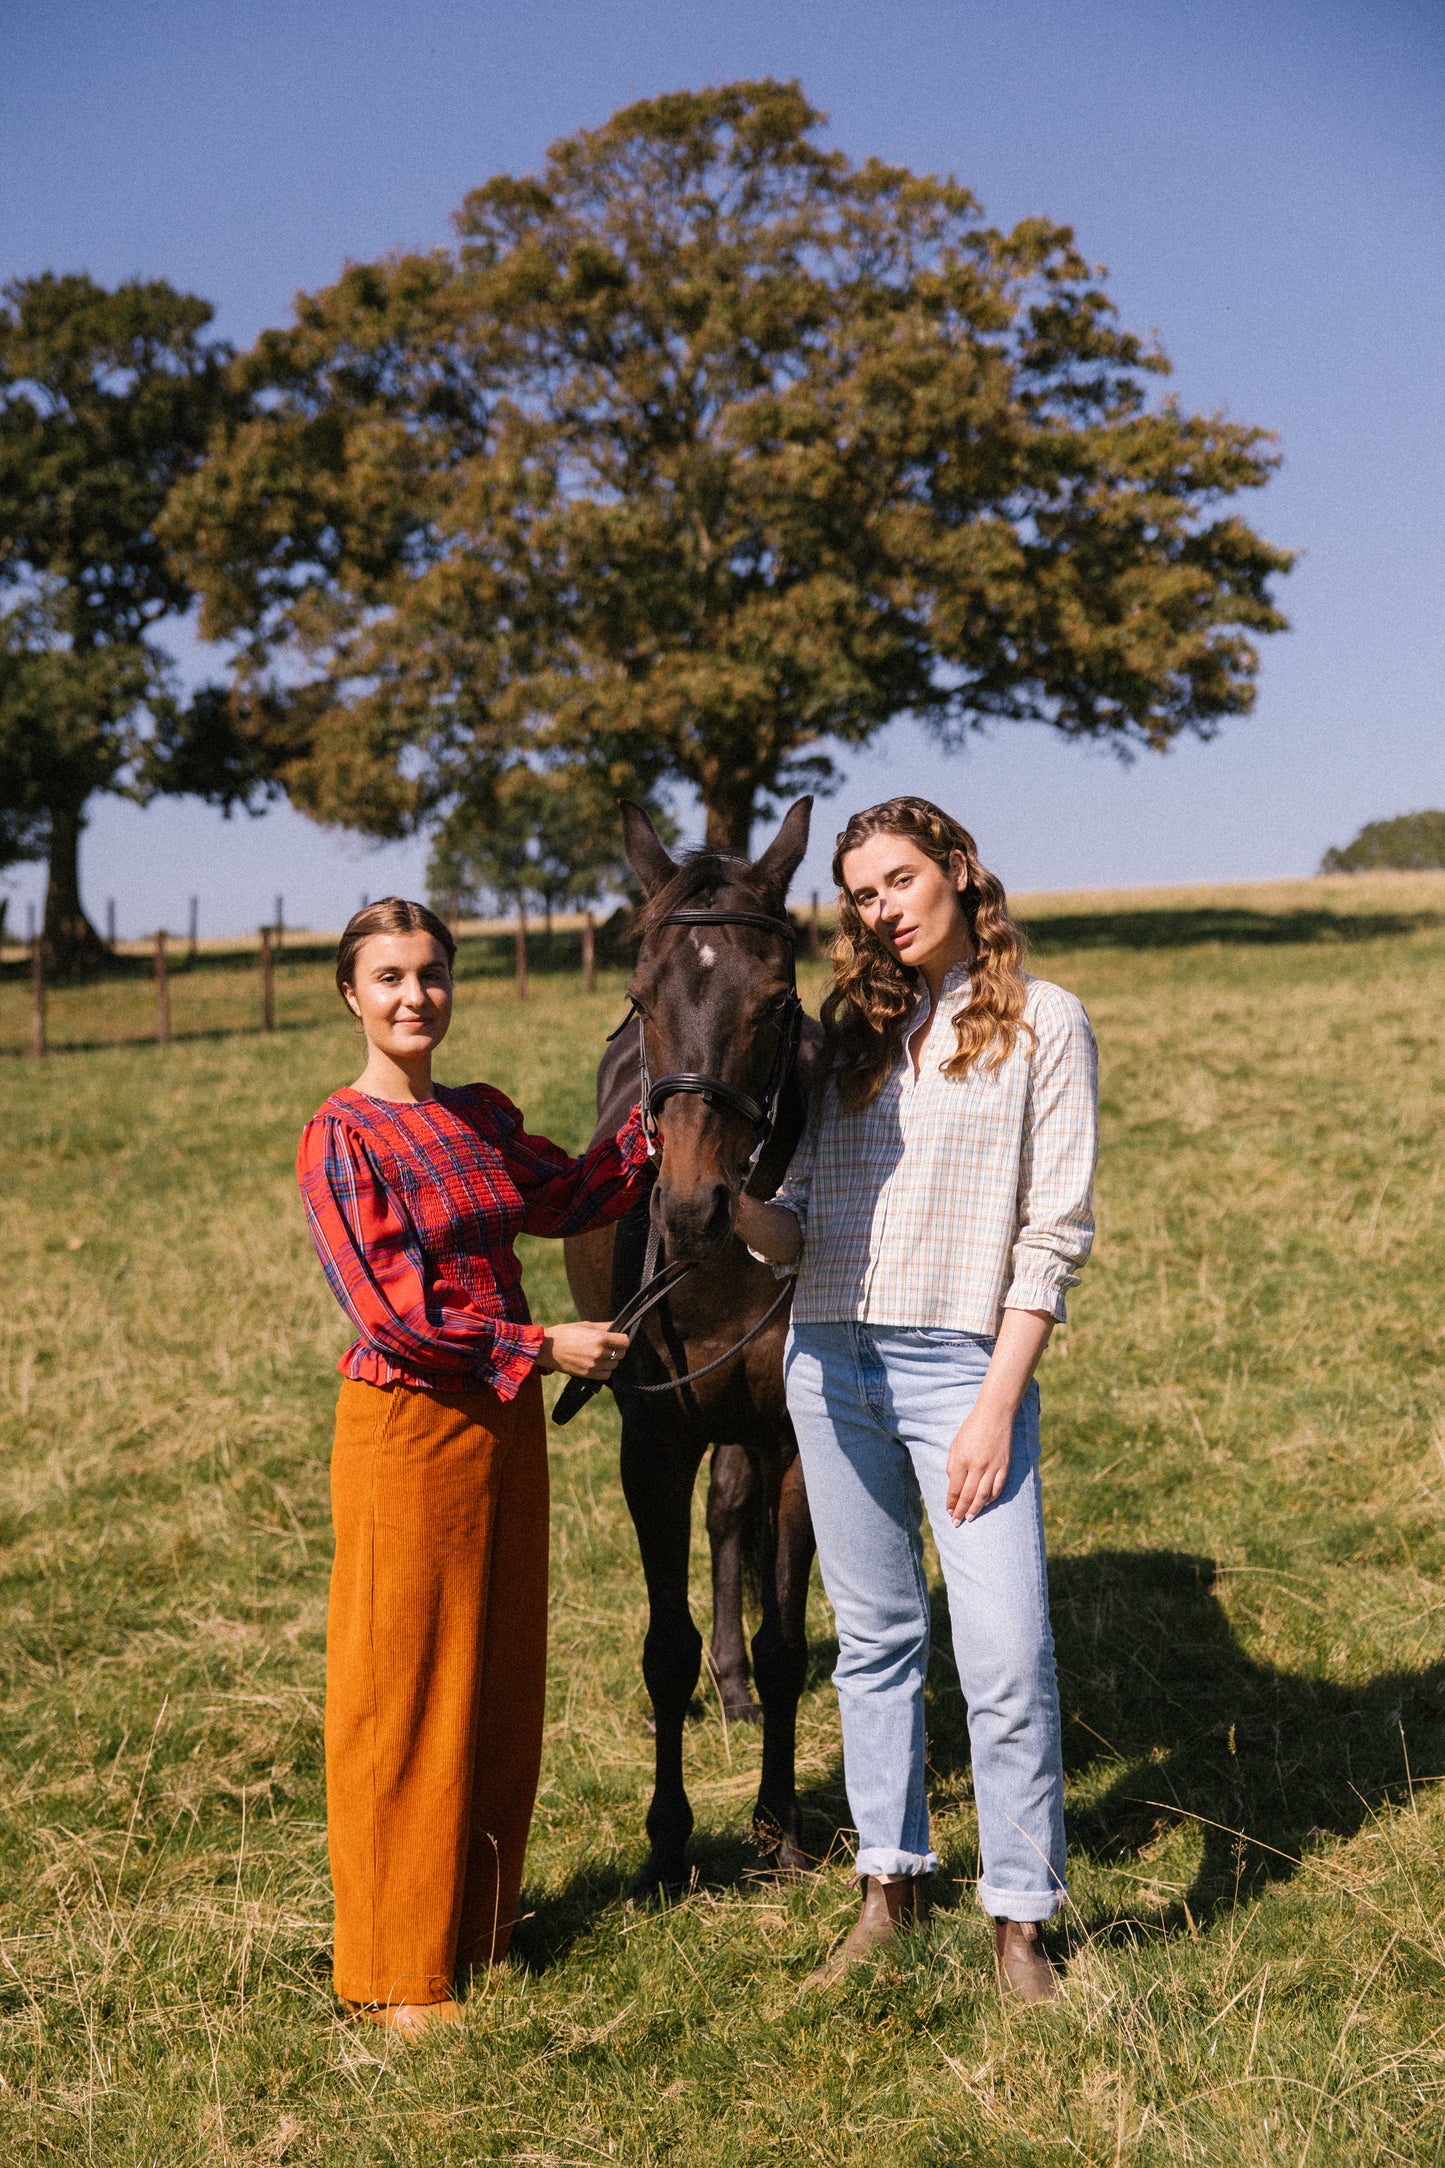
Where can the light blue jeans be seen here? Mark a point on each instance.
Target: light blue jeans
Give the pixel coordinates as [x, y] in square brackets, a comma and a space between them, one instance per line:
[876, 1409]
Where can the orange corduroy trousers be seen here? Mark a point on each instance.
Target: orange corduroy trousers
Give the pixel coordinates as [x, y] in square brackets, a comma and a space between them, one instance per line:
[436, 1658]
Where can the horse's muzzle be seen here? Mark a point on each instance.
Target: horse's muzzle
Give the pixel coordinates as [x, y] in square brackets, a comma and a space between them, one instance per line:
[697, 1223]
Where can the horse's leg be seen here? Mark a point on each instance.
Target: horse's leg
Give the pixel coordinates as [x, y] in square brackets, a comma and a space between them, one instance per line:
[732, 1501]
[657, 1480]
[780, 1666]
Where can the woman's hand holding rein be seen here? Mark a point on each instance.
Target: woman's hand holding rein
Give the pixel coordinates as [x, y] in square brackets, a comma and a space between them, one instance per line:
[978, 1459]
[583, 1351]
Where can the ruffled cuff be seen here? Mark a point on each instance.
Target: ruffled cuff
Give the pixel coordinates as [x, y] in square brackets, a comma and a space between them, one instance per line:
[632, 1141]
[1038, 1293]
[790, 1270]
[517, 1348]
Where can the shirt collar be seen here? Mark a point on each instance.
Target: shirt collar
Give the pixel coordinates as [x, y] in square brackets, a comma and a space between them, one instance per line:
[954, 982]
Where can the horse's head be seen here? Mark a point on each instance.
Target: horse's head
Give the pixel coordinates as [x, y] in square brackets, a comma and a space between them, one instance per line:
[717, 1001]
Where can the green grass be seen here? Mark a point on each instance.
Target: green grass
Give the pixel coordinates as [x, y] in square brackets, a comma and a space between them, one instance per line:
[1245, 1468]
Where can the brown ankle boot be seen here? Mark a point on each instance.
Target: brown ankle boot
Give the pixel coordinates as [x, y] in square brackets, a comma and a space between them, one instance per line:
[1023, 1969]
[888, 1908]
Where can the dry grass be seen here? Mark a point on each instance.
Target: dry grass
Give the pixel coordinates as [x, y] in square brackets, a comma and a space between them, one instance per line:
[1246, 1464]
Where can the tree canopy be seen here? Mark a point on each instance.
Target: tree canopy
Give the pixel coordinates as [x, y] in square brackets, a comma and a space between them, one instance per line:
[105, 400]
[1412, 842]
[702, 453]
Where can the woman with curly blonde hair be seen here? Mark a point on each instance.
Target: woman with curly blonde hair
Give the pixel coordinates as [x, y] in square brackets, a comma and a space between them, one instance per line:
[937, 1212]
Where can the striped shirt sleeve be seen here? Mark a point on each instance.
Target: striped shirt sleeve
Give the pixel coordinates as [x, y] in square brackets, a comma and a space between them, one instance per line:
[373, 1263]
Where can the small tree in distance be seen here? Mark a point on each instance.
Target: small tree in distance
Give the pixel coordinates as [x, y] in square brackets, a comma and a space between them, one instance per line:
[1411, 843]
[551, 835]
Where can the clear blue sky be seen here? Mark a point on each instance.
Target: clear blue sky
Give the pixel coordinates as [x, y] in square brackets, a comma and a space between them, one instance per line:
[1265, 180]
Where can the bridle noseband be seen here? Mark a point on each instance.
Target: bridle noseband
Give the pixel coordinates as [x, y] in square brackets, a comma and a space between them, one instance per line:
[759, 1114]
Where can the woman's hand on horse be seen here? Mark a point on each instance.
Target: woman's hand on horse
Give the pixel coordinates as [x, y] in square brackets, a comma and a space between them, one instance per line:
[583, 1351]
[769, 1230]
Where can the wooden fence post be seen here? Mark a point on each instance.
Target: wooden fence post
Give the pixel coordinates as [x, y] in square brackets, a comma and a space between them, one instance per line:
[163, 993]
[521, 950]
[268, 981]
[37, 994]
[815, 930]
[195, 927]
[589, 951]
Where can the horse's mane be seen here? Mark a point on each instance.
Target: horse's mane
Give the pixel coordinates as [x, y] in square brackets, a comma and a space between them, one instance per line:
[701, 873]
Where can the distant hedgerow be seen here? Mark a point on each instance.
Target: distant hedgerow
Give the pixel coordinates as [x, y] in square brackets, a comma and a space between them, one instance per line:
[1411, 842]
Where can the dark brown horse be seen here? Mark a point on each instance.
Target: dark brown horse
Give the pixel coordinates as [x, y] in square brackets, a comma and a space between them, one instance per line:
[716, 1049]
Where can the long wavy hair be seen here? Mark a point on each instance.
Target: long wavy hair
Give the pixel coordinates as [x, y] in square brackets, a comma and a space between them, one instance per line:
[874, 995]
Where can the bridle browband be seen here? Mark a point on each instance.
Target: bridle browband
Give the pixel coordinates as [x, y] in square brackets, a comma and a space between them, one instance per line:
[761, 1114]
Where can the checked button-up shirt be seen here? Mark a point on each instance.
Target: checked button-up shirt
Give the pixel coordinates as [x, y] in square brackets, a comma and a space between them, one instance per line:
[949, 1200]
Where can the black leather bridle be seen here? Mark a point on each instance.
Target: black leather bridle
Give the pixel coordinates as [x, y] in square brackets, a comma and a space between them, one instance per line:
[761, 1114]
[758, 1113]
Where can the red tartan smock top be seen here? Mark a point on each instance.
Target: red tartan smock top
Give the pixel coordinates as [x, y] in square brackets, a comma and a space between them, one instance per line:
[414, 1210]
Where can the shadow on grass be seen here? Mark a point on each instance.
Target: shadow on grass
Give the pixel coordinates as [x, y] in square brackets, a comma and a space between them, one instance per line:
[1238, 928]
[551, 1925]
[196, 1037]
[1154, 1684]
[1261, 1761]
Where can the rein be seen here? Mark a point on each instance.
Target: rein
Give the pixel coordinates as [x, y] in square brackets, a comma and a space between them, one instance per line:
[760, 1114]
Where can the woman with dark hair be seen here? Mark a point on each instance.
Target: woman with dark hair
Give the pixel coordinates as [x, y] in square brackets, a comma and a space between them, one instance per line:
[937, 1212]
[436, 1636]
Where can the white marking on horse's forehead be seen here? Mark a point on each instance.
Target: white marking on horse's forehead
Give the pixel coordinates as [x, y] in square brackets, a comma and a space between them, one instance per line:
[706, 953]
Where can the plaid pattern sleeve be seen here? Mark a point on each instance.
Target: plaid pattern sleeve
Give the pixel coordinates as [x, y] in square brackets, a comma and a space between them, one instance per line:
[1058, 1146]
[562, 1195]
[792, 1192]
[376, 1267]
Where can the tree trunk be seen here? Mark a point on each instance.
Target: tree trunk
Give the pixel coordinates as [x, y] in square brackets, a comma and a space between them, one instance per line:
[730, 818]
[521, 948]
[71, 941]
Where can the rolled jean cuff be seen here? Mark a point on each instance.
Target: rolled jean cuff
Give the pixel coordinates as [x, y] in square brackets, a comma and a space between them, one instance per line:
[1022, 1904]
[874, 1859]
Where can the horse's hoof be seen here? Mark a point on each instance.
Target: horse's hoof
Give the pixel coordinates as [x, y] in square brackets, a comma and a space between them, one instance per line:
[746, 1711]
[783, 1857]
[653, 1888]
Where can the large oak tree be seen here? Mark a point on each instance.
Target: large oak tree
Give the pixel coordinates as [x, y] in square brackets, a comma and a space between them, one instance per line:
[702, 452]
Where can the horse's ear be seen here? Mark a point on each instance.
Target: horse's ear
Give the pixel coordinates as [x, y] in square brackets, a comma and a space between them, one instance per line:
[783, 856]
[644, 853]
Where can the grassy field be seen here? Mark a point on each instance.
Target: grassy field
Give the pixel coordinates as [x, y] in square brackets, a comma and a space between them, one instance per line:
[1245, 1467]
